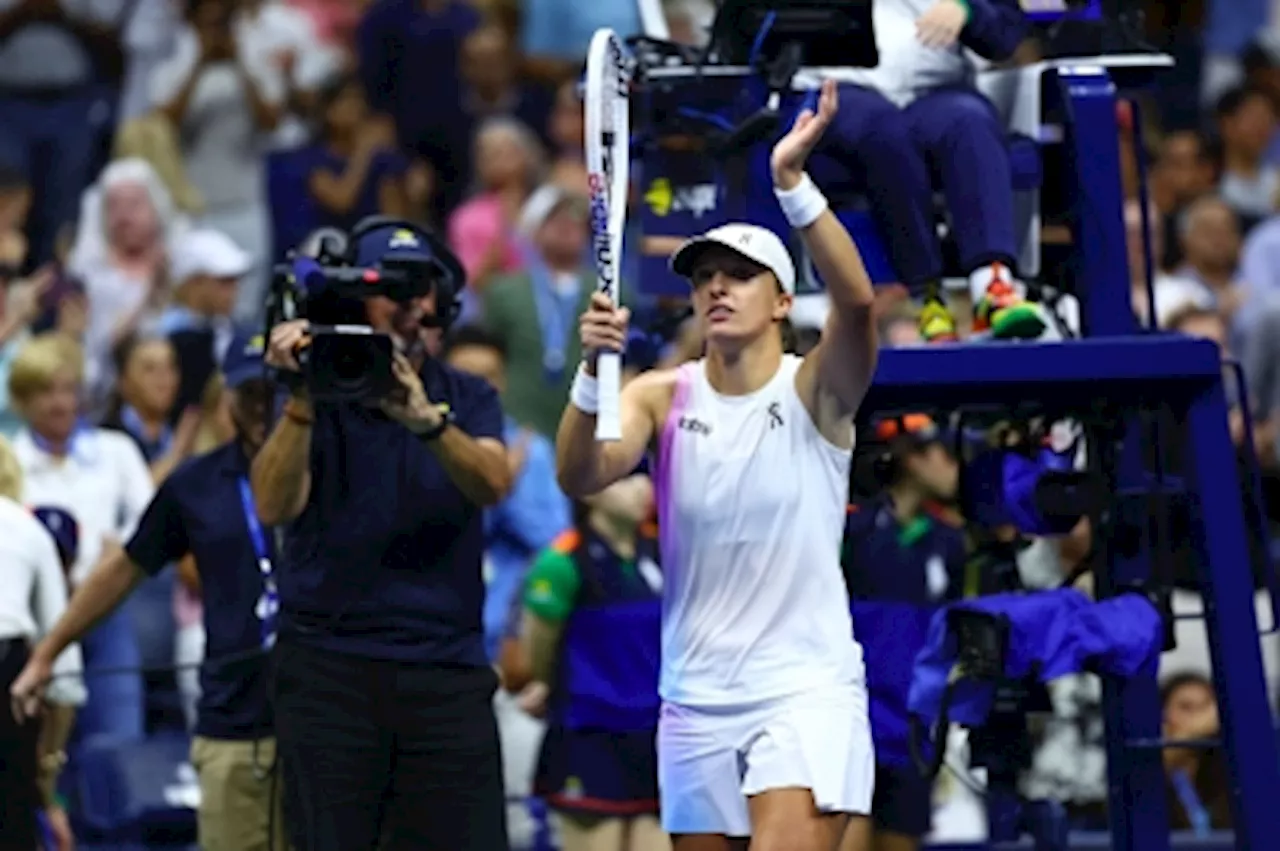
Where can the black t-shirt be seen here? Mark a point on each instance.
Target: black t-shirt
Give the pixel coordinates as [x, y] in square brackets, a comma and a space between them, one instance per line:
[384, 561]
[199, 510]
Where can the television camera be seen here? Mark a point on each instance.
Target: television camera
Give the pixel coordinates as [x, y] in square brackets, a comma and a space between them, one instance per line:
[328, 282]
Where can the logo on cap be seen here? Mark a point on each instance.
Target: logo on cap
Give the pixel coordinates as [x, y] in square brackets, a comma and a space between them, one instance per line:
[745, 238]
[404, 238]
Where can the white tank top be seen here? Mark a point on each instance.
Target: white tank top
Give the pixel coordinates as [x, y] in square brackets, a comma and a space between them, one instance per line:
[751, 511]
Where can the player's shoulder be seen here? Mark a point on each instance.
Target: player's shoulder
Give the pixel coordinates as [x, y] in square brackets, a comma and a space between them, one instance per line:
[654, 391]
[655, 382]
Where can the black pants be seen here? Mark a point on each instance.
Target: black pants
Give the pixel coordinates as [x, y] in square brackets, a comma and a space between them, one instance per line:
[19, 795]
[387, 756]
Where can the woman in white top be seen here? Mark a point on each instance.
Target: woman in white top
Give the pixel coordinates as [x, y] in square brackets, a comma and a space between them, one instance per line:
[224, 91]
[101, 480]
[764, 729]
[33, 595]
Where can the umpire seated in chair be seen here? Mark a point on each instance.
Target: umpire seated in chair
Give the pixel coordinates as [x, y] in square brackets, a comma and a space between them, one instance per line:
[917, 117]
[383, 691]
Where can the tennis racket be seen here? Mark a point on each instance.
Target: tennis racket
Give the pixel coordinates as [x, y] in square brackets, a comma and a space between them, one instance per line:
[607, 142]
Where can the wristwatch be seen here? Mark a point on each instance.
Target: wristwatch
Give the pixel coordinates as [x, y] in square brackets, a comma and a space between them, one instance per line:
[447, 418]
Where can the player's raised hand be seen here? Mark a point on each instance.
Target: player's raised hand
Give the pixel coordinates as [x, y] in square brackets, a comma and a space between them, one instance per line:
[603, 328]
[792, 151]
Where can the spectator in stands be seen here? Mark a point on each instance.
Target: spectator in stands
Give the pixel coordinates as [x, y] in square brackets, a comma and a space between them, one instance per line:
[492, 86]
[917, 114]
[142, 403]
[533, 312]
[206, 269]
[33, 595]
[1198, 784]
[147, 38]
[409, 58]
[140, 407]
[100, 478]
[204, 510]
[15, 205]
[1184, 170]
[1260, 258]
[121, 254]
[599, 586]
[52, 61]
[558, 32]
[1261, 64]
[566, 131]
[1246, 119]
[535, 511]
[1171, 292]
[483, 231]
[1210, 237]
[225, 99]
[901, 559]
[1209, 324]
[20, 303]
[353, 167]
[285, 37]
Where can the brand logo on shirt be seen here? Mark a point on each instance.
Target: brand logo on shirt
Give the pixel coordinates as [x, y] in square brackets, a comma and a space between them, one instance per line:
[694, 425]
[775, 415]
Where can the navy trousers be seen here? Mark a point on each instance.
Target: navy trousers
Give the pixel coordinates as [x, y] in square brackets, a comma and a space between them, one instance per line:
[951, 138]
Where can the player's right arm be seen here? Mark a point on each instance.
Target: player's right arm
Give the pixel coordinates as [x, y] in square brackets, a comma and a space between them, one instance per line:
[585, 466]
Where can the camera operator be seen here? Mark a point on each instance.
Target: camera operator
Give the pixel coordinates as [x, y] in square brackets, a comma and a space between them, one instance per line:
[383, 695]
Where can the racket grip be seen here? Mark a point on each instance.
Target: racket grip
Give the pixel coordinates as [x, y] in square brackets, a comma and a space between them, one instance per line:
[609, 384]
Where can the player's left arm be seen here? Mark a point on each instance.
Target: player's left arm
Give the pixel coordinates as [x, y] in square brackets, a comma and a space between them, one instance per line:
[837, 372]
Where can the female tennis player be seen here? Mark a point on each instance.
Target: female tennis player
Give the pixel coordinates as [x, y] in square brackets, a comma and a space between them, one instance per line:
[764, 730]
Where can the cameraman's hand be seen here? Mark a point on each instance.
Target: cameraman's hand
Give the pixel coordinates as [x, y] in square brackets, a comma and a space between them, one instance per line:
[286, 341]
[603, 328]
[412, 409]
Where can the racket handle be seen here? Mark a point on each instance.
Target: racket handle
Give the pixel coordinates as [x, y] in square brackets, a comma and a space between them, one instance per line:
[609, 384]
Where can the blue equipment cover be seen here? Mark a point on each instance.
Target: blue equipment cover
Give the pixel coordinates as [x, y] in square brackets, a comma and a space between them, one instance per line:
[1051, 634]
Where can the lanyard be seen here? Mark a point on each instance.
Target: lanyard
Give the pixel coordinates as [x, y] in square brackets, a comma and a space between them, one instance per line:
[556, 314]
[269, 603]
[1197, 815]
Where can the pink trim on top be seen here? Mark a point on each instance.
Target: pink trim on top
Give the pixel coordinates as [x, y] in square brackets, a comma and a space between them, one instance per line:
[665, 462]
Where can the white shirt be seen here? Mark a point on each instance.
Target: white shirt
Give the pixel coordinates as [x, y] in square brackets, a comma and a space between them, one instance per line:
[223, 149]
[33, 595]
[751, 511]
[103, 483]
[907, 68]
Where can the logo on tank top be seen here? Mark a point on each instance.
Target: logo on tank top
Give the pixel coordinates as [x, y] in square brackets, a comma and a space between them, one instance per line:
[694, 425]
[775, 415]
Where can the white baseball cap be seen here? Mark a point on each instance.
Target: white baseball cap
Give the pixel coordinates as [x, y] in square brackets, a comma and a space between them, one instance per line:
[207, 252]
[757, 244]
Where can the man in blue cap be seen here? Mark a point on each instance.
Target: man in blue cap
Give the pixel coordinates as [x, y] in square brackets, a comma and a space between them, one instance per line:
[205, 509]
[383, 690]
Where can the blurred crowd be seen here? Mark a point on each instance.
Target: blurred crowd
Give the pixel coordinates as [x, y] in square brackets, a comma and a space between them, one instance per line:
[157, 157]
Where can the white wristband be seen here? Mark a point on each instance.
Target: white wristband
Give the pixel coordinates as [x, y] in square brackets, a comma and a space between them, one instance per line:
[585, 392]
[802, 203]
